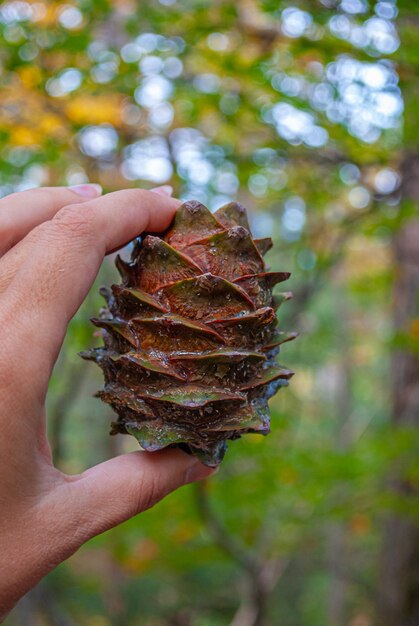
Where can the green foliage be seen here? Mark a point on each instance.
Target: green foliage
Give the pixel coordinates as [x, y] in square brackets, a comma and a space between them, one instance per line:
[298, 116]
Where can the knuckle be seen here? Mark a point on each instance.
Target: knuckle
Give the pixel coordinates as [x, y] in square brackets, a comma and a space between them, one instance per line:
[42, 192]
[147, 493]
[137, 195]
[45, 232]
[74, 221]
[6, 233]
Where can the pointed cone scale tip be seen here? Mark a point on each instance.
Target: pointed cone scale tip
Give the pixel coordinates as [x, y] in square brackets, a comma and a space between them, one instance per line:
[115, 327]
[160, 264]
[232, 214]
[192, 222]
[124, 399]
[212, 455]
[91, 355]
[138, 296]
[207, 297]
[151, 365]
[136, 249]
[279, 298]
[172, 333]
[192, 396]
[106, 293]
[251, 418]
[225, 355]
[125, 269]
[262, 317]
[272, 278]
[155, 435]
[267, 376]
[230, 254]
[279, 339]
[263, 245]
[176, 322]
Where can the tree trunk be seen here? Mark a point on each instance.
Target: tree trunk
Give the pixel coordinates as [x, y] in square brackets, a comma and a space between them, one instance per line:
[338, 555]
[399, 574]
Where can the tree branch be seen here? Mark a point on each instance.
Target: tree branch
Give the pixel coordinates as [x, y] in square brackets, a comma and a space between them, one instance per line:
[260, 577]
[227, 542]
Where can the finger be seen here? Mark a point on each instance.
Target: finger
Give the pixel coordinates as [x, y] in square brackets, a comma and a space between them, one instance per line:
[115, 490]
[11, 262]
[51, 284]
[21, 212]
[14, 258]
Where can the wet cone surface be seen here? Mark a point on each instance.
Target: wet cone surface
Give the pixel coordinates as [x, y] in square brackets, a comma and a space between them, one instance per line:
[191, 336]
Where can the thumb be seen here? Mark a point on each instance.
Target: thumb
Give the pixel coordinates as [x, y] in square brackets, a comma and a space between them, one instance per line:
[115, 490]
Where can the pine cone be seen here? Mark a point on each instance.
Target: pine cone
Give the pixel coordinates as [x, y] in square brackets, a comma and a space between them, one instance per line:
[190, 336]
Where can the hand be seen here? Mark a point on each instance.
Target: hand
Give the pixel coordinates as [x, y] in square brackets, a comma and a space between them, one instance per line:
[52, 243]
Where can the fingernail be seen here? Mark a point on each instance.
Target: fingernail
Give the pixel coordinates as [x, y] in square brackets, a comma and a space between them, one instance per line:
[198, 471]
[164, 190]
[88, 190]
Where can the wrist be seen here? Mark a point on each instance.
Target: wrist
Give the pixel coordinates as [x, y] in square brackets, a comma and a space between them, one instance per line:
[32, 544]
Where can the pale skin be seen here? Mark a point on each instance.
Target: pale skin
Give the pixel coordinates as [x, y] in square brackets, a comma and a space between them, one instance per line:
[52, 243]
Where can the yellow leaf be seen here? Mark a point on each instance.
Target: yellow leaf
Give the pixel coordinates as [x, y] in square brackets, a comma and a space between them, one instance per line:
[51, 125]
[360, 524]
[414, 328]
[141, 556]
[30, 75]
[94, 110]
[22, 136]
[184, 532]
[45, 14]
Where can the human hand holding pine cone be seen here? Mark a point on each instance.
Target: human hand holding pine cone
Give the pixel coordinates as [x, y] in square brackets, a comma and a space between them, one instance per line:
[52, 242]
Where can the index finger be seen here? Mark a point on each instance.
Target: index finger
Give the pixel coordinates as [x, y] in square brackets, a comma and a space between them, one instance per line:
[22, 211]
[69, 249]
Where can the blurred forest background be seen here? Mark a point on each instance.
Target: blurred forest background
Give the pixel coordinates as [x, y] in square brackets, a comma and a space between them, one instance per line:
[307, 113]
